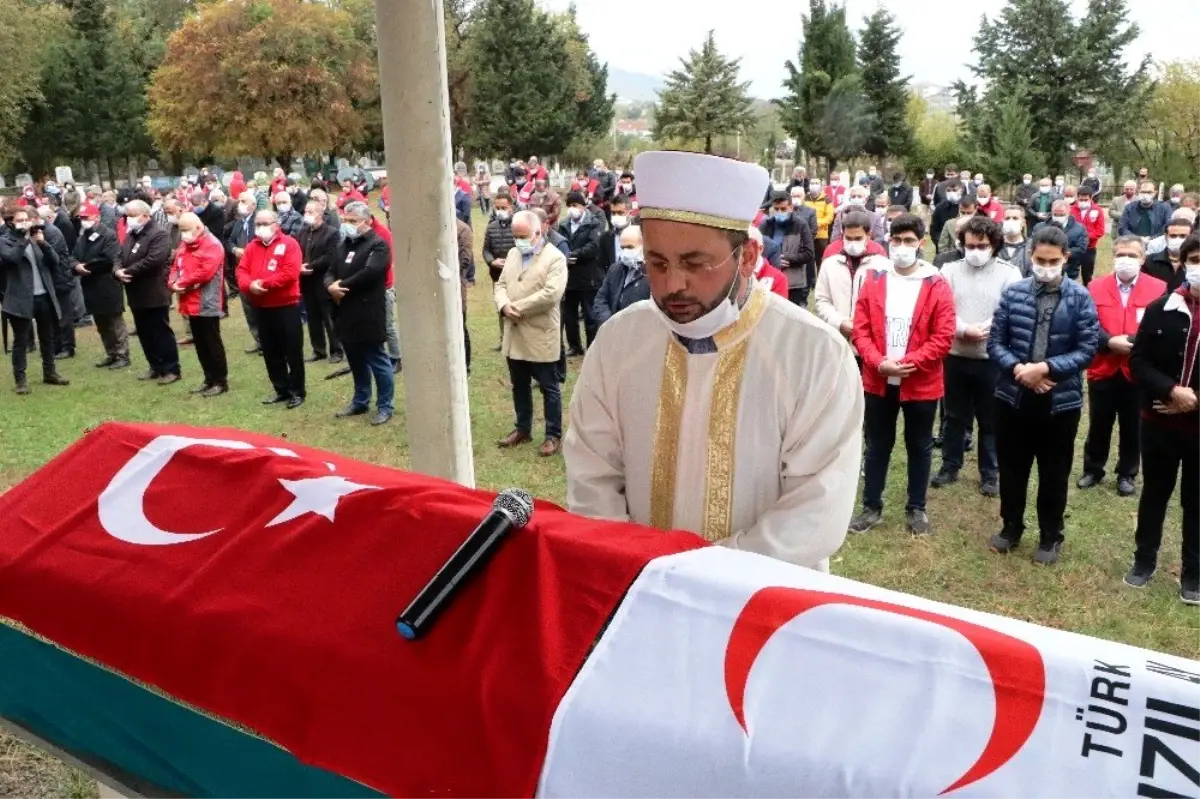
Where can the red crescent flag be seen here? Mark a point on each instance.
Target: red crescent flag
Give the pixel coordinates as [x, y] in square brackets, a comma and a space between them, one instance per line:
[259, 581]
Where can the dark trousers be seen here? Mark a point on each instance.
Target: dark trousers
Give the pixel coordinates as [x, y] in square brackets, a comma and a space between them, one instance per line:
[251, 314]
[319, 306]
[46, 322]
[577, 305]
[798, 296]
[1109, 401]
[546, 375]
[64, 334]
[1167, 453]
[1088, 265]
[210, 350]
[819, 246]
[1025, 435]
[282, 338]
[880, 420]
[970, 394]
[157, 339]
[367, 361]
[113, 334]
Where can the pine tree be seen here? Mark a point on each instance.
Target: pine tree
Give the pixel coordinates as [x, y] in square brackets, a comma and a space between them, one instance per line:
[1011, 153]
[883, 87]
[826, 57]
[703, 99]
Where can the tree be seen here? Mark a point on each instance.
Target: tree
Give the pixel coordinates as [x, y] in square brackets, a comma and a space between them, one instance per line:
[290, 85]
[458, 71]
[826, 57]
[704, 98]
[32, 34]
[1011, 154]
[1167, 138]
[845, 121]
[936, 139]
[588, 79]
[886, 92]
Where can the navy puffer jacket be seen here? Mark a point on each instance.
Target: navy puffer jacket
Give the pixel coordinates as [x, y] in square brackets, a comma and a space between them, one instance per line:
[1074, 336]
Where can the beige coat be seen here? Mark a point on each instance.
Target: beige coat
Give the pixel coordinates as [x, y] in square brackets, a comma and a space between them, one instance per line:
[536, 292]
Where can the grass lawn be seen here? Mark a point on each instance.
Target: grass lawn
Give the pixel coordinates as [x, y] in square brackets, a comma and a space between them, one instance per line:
[1083, 593]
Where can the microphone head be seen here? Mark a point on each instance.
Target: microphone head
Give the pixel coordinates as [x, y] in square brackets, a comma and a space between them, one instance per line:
[517, 504]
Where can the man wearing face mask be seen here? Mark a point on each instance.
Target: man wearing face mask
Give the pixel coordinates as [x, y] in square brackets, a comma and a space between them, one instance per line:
[1025, 191]
[1044, 334]
[900, 193]
[268, 278]
[939, 191]
[167, 218]
[1041, 205]
[945, 210]
[145, 261]
[875, 182]
[925, 190]
[66, 285]
[497, 241]
[987, 205]
[858, 202]
[766, 274]
[1116, 208]
[547, 199]
[903, 329]
[1077, 237]
[196, 277]
[1165, 365]
[1166, 265]
[1147, 217]
[30, 268]
[1121, 299]
[1059, 192]
[290, 220]
[210, 214]
[682, 394]
[1092, 182]
[1014, 248]
[239, 232]
[97, 253]
[319, 248]
[835, 190]
[585, 271]
[977, 281]
[793, 246]
[823, 215]
[529, 294]
[842, 271]
[626, 281]
[1175, 196]
[1088, 214]
[949, 239]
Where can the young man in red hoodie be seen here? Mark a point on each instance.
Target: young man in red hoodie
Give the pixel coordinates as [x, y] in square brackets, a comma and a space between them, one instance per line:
[1091, 216]
[269, 276]
[904, 323]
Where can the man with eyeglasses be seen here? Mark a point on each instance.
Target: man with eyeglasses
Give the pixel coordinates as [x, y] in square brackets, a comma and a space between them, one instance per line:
[1044, 334]
[715, 406]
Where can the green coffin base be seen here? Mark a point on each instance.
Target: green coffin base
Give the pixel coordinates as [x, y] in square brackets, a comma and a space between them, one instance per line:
[141, 739]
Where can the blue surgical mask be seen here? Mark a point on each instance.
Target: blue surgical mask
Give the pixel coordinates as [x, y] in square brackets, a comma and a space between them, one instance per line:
[349, 231]
[782, 216]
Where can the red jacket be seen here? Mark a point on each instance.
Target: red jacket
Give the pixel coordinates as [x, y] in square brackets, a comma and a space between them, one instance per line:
[200, 267]
[352, 196]
[994, 211]
[586, 189]
[385, 199]
[929, 338]
[121, 225]
[835, 194]
[277, 265]
[237, 185]
[764, 271]
[1093, 222]
[465, 185]
[837, 247]
[1118, 321]
[385, 233]
[277, 185]
[537, 174]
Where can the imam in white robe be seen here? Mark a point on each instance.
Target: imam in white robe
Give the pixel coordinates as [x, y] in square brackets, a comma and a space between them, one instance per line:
[757, 445]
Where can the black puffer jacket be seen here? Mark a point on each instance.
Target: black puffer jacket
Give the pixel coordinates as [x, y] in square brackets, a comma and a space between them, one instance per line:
[585, 265]
[497, 241]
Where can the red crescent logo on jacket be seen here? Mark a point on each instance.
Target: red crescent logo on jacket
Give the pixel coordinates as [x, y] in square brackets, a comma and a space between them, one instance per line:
[1015, 666]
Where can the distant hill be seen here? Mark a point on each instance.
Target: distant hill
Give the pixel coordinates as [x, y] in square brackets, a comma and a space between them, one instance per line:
[634, 85]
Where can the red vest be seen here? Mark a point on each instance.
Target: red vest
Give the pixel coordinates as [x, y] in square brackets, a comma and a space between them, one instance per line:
[1118, 321]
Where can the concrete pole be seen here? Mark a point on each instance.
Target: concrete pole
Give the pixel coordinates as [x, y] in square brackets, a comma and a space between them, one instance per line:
[416, 128]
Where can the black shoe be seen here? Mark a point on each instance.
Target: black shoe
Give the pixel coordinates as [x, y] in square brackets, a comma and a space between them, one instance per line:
[865, 520]
[1138, 575]
[255, 350]
[968, 443]
[337, 357]
[295, 402]
[1126, 487]
[937, 442]
[574, 353]
[944, 478]
[62, 356]
[107, 362]
[200, 389]
[1002, 544]
[348, 411]
[55, 380]
[275, 399]
[316, 356]
[1088, 480]
[215, 391]
[119, 363]
[397, 366]
[990, 487]
[338, 373]
[149, 374]
[918, 522]
[1189, 592]
[22, 387]
[1047, 554]
[381, 417]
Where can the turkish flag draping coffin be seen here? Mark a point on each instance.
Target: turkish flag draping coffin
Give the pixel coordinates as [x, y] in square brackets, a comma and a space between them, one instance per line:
[258, 581]
[729, 674]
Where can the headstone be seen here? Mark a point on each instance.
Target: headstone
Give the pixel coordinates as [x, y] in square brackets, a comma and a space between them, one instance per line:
[62, 174]
[24, 179]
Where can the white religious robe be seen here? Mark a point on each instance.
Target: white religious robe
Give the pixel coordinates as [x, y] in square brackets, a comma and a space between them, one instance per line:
[756, 446]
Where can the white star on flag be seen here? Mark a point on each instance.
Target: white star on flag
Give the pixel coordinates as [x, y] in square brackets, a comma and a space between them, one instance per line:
[316, 495]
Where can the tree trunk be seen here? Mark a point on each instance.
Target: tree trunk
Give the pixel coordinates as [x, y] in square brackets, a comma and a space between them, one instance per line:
[177, 162]
[708, 144]
[112, 173]
[285, 161]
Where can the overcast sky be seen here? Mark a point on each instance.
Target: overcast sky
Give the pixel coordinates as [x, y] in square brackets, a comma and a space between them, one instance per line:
[651, 35]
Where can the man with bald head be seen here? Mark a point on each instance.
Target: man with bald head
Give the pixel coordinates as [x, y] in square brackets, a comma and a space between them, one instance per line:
[1077, 237]
[268, 276]
[197, 277]
[145, 260]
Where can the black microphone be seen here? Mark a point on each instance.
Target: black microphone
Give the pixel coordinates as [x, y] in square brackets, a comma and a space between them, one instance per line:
[510, 511]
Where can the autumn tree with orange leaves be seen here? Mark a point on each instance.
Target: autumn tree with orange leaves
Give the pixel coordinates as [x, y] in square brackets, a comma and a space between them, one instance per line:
[269, 77]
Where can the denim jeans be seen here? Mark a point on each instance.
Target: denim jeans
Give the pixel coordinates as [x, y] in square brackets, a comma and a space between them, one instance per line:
[367, 360]
[882, 414]
[546, 375]
[393, 331]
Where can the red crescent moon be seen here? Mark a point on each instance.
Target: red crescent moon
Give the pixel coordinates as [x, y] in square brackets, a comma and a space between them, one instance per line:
[1016, 668]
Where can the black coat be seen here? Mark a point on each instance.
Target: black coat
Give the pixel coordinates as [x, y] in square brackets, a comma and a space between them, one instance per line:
[62, 221]
[361, 266]
[18, 271]
[64, 276]
[497, 241]
[1159, 265]
[99, 250]
[585, 266]
[796, 248]
[320, 247]
[901, 195]
[214, 219]
[1156, 362]
[146, 256]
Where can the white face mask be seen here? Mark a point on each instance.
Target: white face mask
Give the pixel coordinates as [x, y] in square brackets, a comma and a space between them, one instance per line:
[172, 219]
[243, 209]
[282, 207]
[1061, 221]
[855, 248]
[1175, 242]
[983, 200]
[189, 237]
[903, 256]
[1084, 204]
[87, 224]
[576, 212]
[978, 258]
[858, 200]
[1026, 181]
[725, 314]
[310, 220]
[1127, 268]
[1193, 277]
[1012, 227]
[631, 257]
[502, 215]
[619, 221]
[264, 232]
[1047, 274]
[953, 196]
